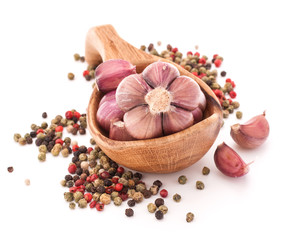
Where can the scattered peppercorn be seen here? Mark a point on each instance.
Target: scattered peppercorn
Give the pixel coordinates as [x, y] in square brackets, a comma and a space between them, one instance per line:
[10, 169]
[151, 207]
[164, 193]
[44, 115]
[131, 203]
[189, 217]
[159, 215]
[205, 171]
[200, 185]
[70, 76]
[182, 179]
[159, 201]
[239, 114]
[129, 212]
[177, 197]
[163, 209]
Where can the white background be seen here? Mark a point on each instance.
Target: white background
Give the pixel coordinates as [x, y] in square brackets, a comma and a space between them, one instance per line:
[37, 43]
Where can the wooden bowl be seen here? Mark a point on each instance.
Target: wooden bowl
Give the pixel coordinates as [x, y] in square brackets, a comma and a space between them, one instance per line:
[159, 155]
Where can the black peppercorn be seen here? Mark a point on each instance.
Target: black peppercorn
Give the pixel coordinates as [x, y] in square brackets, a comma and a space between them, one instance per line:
[137, 175]
[114, 165]
[79, 171]
[29, 140]
[129, 212]
[38, 142]
[70, 183]
[74, 119]
[146, 193]
[159, 201]
[157, 183]
[223, 73]
[77, 153]
[44, 115]
[75, 178]
[32, 134]
[82, 149]
[159, 215]
[82, 131]
[100, 189]
[10, 169]
[68, 177]
[131, 203]
[107, 182]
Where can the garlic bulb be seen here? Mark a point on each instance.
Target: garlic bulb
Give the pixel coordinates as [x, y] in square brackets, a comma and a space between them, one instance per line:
[229, 162]
[159, 101]
[110, 73]
[251, 134]
[119, 132]
[108, 110]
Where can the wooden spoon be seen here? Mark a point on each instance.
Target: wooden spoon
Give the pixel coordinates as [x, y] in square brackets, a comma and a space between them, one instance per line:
[159, 155]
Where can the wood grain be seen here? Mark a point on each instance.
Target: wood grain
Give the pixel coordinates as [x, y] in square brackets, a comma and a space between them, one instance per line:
[159, 155]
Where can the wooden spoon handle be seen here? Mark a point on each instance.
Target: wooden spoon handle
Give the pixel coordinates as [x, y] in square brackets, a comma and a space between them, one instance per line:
[103, 43]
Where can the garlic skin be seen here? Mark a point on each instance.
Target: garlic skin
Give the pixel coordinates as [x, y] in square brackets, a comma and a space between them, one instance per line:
[158, 102]
[229, 162]
[108, 110]
[110, 73]
[251, 134]
[119, 132]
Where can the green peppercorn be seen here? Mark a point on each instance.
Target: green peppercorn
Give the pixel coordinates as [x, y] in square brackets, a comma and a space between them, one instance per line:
[189, 217]
[72, 205]
[82, 203]
[117, 201]
[225, 113]
[92, 141]
[154, 189]
[235, 104]
[33, 126]
[41, 135]
[77, 196]
[230, 109]
[42, 156]
[65, 152]
[43, 149]
[205, 171]
[114, 194]
[151, 207]
[182, 179]
[76, 57]
[143, 47]
[138, 197]
[239, 114]
[200, 185]
[68, 196]
[163, 209]
[140, 187]
[177, 197]
[17, 136]
[22, 141]
[44, 125]
[63, 182]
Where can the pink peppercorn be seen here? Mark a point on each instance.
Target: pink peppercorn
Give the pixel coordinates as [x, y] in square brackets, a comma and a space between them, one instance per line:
[89, 150]
[72, 168]
[120, 170]
[59, 129]
[217, 62]
[118, 187]
[69, 115]
[202, 60]
[189, 53]
[197, 54]
[163, 193]
[99, 206]
[77, 115]
[174, 50]
[75, 148]
[93, 204]
[232, 94]
[195, 73]
[85, 73]
[40, 130]
[60, 141]
[88, 197]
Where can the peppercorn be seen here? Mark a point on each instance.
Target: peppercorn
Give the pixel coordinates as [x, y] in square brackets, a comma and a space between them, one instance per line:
[239, 114]
[76, 57]
[68, 196]
[117, 201]
[42, 156]
[22, 141]
[10, 169]
[131, 192]
[177, 197]
[200, 185]
[163, 193]
[151, 207]
[235, 104]
[72, 205]
[131, 203]
[146, 193]
[82, 203]
[225, 113]
[100, 189]
[140, 187]
[189, 217]
[159, 215]
[69, 184]
[77, 196]
[163, 209]
[205, 171]
[182, 179]
[17, 136]
[138, 197]
[159, 201]
[129, 212]
[154, 189]
[99, 206]
[157, 183]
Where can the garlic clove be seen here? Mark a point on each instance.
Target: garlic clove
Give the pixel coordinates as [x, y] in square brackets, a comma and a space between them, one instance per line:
[141, 124]
[107, 111]
[202, 101]
[119, 132]
[176, 120]
[110, 73]
[188, 100]
[131, 92]
[251, 134]
[160, 74]
[107, 97]
[229, 162]
[197, 115]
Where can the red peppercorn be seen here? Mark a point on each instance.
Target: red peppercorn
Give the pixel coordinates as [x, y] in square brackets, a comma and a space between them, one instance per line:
[120, 170]
[60, 141]
[75, 148]
[232, 94]
[218, 93]
[89, 150]
[85, 73]
[217, 62]
[76, 125]
[109, 189]
[79, 182]
[73, 189]
[197, 54]
[172, 56]
[229, 100]
[202, 60]
[94, 177]
[174, 50]
[118, 187]
[202, 75]
[40, 130]
[104, 175]
[81, 187]
[228, 80]
[72, 168]
[215, 56]
[163, 193]
[195, 73]
[189, 53]
[69, 115]
[59, 129]
[99, 206]
[88, 197]
[93, 204]
[77, 115]
[123, 196]
[115, 180]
